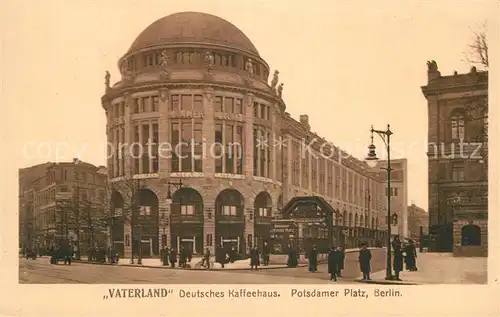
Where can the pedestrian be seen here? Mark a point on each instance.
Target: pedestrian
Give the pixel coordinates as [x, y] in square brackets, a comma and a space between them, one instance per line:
[232, 254]
[398, 257]
[173, 258]
[365, 257]
[312, 256]
[254, 258]
[340, 267]
[292, 257]
[67, 254]
[182, 257]
[220, 256]
[265, 254]
[333, 263]
[205, 262]
[165, 253]
[411, 256]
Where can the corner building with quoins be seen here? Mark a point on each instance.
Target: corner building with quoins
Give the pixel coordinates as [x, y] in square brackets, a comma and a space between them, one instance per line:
[458, 161]
[196, 78]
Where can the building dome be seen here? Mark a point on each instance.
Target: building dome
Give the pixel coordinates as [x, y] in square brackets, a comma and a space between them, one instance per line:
[192, 28]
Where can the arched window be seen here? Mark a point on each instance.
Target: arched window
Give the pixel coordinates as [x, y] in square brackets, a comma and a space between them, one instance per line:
[457, 126]
[471, 235]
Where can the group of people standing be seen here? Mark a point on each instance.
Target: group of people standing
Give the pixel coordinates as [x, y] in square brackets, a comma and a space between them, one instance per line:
[170, 256]
[403, 252]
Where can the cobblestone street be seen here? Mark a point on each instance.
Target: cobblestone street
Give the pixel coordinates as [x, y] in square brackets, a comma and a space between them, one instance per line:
[41, 272]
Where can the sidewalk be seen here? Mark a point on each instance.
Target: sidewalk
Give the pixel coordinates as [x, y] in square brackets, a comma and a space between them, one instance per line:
[440, 268]
[275, 262]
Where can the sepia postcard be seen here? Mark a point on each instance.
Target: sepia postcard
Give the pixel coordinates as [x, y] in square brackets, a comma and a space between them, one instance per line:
[322, 157]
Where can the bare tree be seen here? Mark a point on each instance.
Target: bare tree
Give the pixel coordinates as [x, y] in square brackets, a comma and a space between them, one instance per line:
[477, 50]
[129, 190]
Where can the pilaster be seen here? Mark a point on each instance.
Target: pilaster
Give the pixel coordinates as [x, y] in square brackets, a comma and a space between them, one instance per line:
[249, 146]
[128, 134]
[208, 133]
[164, 135]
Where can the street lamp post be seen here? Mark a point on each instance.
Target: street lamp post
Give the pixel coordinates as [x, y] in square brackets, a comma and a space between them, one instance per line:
[372, 161]
[177, 185]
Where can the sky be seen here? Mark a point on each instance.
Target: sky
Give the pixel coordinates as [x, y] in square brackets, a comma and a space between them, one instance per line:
[347, 64]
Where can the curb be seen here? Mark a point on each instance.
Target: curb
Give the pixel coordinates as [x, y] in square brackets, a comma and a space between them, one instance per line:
[384, 282]
[191, 269]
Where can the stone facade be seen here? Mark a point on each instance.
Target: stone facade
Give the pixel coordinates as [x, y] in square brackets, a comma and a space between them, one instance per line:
[417, 218]
[399, 195]
[457, 156]
[59, 199]
[207, 95]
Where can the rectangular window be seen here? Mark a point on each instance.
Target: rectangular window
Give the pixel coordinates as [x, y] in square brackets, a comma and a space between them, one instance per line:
[218, 104]
[145, 104]
[229, 210]
[229, 105]
[198, 147]
[187, 139]
[154, 105]
[155, 148]
[268, 113]
[264, 212]
[256, 109]
[145, 153]
[187, 210]
[238, 106]
[136, 150]
[209, 240]
[175, 134]
[174, 102]
[136, 105]
[238, 151]
[263, 112]
[187, 102]
[122, 109]
[198, 103]
[218, 148]
[229, 149]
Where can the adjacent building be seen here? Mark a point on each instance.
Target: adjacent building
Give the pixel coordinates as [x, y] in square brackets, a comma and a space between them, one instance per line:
[62, 202]
[224, 155]
[399, 196]
[418, 219]
[458, 160]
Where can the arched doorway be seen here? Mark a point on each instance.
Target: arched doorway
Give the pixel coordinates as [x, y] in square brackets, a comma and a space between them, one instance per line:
[230, 220]
[116, 223]
[263, 206]
[187, 220]
[471, 235]
[145, 237]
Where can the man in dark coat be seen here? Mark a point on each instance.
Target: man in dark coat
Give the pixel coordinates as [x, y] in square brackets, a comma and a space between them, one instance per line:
[164, 256]
[266, 252]
[182, 257]
[254, 258]
[312, 256]
[365, 257]
[398, 257]
[333, 263]
[172, 257]
[292, 257]
[341, 261]
[411, 255]
[220, 256]
[205, 262]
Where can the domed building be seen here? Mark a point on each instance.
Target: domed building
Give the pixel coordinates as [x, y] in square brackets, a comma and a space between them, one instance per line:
[188, 121]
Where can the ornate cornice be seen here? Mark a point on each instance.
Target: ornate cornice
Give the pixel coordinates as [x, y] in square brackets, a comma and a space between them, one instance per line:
[137, 87]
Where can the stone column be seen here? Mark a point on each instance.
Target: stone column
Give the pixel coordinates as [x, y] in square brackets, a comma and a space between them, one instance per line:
[164, 223]
[249, 146]
[208, 171]
[128, 173]
[248, 165]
